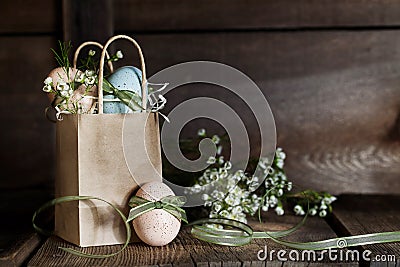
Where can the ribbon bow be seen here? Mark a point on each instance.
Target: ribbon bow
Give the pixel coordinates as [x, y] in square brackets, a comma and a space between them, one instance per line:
[171, 204]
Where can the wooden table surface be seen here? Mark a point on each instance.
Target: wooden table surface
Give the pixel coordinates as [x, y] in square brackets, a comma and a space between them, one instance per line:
[353, 214]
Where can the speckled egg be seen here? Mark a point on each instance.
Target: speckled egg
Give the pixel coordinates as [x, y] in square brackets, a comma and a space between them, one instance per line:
[113, 105]
[85, 103]
[156, 227]
[127, 78]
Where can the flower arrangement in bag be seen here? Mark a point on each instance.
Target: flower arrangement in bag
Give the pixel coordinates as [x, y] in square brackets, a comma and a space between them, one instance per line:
[72, 88]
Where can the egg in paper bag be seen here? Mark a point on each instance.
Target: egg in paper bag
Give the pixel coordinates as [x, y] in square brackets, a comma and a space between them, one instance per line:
[126, 78]
[156, 227]
[112, 105]
[83, 97]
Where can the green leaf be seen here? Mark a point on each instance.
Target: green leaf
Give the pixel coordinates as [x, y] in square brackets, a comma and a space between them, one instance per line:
[107, 86]
[131, 99]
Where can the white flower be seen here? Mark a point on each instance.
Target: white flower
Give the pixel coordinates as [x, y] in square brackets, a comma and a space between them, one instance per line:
[64, 93]
[280, 192]
[119, 54]
[213, 215]
[47, 88]
[279, 210]
[239, 174]
[279, 163]
[298, 210]
[289, 186]
[211, 160]
[219, 150]
[328, 200]
[237, 210]
[89, 73]
[273, 200]
[224, 214]
[91, 52]
[62, 86]
[194, 189]
[265, 208]
[232, 200]
[221, 160]
[205, 197]
[201, 132]
[90, 80]
[80, 77]
[323, 207]
[223, 173]
[217, 206]
[214, 176]
[228, 165]
[322, 213]
[280, 153]
[48, 81]
[215, 139]
[217, 195]
[312, 212]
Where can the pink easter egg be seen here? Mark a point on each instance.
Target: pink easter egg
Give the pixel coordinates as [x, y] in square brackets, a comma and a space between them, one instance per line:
[156, 227]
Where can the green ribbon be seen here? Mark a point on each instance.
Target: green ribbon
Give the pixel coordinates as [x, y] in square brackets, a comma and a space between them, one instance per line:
[238, 234]
[171, 204]
[75, 198]
[243, 234]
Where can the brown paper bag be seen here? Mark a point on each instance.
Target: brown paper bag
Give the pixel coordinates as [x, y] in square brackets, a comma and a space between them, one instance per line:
[91, 161]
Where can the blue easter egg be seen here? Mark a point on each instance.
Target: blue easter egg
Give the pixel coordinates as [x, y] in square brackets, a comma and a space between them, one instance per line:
[127, 78]
[112, 107]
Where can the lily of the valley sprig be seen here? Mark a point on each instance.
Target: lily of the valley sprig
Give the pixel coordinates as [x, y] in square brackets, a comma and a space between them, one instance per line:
[236, 195]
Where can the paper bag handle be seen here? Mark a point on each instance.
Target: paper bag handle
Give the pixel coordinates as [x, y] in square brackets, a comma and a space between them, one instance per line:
[101, 70]
[110, 65]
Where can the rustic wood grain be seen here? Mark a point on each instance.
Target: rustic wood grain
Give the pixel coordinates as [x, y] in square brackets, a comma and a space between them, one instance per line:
[370, 168]
[27, 142]
[158, 15]
[17, 240]
[334, 96]
[29, 16]
[364, 214]
[87, 20]
[188, 251]
[19, 252]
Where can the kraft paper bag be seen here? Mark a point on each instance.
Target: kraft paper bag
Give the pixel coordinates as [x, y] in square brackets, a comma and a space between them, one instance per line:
[91, 161]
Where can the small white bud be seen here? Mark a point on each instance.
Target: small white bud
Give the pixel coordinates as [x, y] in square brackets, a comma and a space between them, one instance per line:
[119, 54]
[322, 213]
[48, 81]
[279, 210]
[201, 132]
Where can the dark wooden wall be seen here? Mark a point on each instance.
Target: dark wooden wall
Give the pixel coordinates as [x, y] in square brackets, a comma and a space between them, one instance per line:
[28, 29]
[329, 69]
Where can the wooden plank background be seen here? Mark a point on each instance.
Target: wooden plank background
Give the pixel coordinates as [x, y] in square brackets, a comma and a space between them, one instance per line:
[329, 69]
